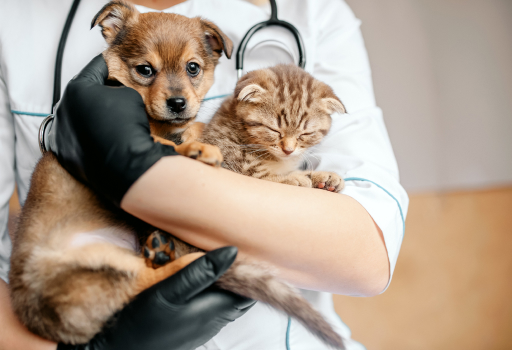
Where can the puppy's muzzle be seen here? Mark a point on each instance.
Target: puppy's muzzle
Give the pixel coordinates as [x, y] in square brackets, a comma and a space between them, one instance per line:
[177, 104]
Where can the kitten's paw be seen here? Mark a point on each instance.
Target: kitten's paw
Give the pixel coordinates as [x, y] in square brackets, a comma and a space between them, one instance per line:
[159, 249]
[327, 180]
[300, 180]
[207, 154]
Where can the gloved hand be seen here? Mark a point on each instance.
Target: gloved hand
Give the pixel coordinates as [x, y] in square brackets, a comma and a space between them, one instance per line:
[101, 135]
[176, 314]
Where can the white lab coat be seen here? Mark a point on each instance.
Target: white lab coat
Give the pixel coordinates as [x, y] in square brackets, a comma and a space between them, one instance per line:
[357, 147]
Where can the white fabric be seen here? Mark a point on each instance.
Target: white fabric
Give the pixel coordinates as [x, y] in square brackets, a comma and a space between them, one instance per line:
[357, 148]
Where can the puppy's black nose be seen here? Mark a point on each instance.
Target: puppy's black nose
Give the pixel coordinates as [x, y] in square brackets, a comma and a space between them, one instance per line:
[177, 104]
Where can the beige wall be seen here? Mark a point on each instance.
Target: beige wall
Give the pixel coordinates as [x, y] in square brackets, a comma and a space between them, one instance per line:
[443, 76]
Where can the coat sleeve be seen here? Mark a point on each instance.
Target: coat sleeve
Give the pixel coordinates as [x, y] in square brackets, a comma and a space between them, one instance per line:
[7, 140]
[358, 147]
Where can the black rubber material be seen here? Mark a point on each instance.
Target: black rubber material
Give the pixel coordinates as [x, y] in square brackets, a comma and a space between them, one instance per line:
[60, 53]
[179, 313]
[273, 21]
[101, 134]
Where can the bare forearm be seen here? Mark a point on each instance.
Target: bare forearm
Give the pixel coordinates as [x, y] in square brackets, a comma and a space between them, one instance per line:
[13, 336]
[316, 239]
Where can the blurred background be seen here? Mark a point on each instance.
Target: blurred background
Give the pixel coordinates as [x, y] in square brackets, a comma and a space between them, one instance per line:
[443, 76]
[442, 71]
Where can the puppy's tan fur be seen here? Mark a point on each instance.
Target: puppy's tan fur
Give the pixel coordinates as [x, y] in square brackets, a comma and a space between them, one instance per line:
[66, 291]
[147, 39]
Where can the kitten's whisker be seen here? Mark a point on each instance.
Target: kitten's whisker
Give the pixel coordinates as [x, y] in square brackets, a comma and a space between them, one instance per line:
[309, 163]
[264, 154]
[309, 166]
[310, 153]
[232, 145]
[256, 151]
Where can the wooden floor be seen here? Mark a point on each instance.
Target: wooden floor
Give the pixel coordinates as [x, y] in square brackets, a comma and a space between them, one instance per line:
[452, 288]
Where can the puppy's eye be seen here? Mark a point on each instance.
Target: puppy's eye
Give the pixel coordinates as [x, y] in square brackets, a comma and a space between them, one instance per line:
[193, 69]
[145, 70]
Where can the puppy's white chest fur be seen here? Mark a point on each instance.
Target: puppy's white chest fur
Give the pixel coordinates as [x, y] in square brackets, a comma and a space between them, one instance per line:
[112, 235]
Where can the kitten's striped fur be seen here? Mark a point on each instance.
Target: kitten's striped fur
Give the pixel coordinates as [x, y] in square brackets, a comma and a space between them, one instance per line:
[275, 115]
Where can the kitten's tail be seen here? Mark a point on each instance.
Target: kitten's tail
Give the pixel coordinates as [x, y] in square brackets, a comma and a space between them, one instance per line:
[252, 281]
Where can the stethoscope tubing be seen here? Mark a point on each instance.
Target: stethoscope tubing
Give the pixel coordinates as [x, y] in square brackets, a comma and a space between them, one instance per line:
[273, 21]
[57, 77]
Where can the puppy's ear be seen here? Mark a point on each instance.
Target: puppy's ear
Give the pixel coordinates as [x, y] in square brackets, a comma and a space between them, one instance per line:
[216, 39]
[113, 17]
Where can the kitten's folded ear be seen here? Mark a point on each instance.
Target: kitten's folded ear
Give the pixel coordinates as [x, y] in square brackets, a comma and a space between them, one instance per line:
[250, 93]
[333, 105]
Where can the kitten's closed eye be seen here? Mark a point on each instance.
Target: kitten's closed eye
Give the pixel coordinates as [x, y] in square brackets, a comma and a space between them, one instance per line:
[252, 123]
[307, 137]
[257, 124]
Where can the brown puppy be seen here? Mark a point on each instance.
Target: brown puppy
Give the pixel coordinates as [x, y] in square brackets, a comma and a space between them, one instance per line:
[75, 259]
[170, 66]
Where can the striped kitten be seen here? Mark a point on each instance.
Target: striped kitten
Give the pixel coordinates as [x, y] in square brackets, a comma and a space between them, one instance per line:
[263, 130]
[273, 118]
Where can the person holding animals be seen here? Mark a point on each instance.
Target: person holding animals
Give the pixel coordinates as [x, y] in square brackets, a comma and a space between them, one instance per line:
[352, 238]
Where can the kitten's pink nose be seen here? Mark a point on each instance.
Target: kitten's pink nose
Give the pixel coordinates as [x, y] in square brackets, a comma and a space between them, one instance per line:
[288, 151]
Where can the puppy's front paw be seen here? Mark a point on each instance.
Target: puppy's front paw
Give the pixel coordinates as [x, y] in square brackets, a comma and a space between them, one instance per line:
[300, 180]
[327, 180]
[207, 154]
[159, 249]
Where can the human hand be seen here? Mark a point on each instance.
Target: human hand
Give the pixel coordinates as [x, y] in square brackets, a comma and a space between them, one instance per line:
[101, 134]
[177, 313]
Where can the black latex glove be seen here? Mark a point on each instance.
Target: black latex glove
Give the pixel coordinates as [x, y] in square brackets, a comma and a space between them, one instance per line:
[176, 314]
[100, 133]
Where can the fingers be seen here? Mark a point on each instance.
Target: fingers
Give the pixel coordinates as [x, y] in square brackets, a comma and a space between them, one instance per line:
[96, 71]
[223, 304]
[241, 303]
[197, 276]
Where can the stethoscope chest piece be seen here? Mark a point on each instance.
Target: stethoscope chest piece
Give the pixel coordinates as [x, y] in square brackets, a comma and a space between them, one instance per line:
[42, 132]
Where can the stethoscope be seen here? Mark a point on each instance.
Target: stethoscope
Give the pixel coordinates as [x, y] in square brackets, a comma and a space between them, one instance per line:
[273, 21]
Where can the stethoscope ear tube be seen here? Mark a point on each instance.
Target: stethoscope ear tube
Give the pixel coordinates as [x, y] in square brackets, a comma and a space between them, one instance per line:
[60, 52]
[273, 21]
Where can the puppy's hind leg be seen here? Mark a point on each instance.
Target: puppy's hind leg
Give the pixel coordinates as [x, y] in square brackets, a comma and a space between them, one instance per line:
[149, 276]
[83, 288]
[69, 296]
[159, 249]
